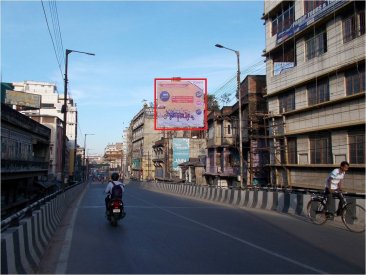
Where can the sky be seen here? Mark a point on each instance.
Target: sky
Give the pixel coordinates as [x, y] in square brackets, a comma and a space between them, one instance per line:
[133, 43]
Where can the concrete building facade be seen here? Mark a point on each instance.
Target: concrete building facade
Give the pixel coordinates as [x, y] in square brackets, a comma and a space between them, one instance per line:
[51, 105]
[55, 161]
[143, 137]
[24, 160]
[315, 66]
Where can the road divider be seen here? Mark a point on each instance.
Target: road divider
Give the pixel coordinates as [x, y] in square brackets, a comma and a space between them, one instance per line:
[23, 246]
[282, 201]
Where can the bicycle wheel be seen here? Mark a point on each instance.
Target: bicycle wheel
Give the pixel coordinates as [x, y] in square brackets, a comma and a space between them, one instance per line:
[316, 212]
[353, 217]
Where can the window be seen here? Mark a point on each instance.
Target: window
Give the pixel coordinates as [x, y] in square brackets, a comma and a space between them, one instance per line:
[229, 129]
[287, 102]
[320, 150]
[48, 106]
[312, 4]
[355, 80]
[284, 19]
[357, 147]
[284, 60]
[354, 26]
[318, 92]
[292, 150]
[316, 45]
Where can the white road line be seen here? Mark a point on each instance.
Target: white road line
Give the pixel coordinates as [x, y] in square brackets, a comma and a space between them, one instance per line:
[265, 250]
[65, 250]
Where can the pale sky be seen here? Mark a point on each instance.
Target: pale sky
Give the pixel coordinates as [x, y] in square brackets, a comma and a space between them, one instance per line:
[134, 43]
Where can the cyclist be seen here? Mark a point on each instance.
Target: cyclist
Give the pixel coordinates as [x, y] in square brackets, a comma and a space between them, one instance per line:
[334, 184]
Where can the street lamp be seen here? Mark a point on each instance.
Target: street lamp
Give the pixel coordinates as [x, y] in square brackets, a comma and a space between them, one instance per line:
[64, 111]
[240, 120]
[84, 163]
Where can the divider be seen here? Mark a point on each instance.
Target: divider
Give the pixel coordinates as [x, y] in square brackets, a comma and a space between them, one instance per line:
[271, 200]
[23, 246]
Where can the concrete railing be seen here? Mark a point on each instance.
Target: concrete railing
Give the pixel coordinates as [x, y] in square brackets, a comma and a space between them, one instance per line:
[22, 246]
[272, 200]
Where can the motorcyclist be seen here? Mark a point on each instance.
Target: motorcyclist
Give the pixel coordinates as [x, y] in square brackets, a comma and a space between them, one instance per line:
[108, 190]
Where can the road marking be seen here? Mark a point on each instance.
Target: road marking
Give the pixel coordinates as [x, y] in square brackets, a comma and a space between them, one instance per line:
[152, 207]
[65, 251]
[265, 250]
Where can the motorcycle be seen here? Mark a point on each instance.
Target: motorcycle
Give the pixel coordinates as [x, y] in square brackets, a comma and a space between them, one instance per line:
[115, 211]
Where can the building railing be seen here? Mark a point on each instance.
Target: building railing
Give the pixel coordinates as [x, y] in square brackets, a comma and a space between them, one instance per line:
[14, 166]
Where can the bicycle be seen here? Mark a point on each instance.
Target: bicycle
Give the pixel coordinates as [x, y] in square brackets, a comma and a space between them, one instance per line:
[352, 214]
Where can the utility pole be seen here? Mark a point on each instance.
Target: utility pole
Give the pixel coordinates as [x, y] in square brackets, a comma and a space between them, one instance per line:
[240, 114]
[64, 111]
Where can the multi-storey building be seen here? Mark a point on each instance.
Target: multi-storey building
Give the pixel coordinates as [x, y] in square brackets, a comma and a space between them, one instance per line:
[51, 105]
[24, 159]
[223, 163]
[55, 161]
[315, 57]
[175, 148]
[113, 154]
[143, 137]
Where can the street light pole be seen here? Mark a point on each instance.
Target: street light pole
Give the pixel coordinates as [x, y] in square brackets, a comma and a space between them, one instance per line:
[240, 114]
[64, 111]
[84, 163]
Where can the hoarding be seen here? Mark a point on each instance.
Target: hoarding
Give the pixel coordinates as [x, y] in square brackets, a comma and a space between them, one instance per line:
[180, 104]
[180, 151]
[23, 99]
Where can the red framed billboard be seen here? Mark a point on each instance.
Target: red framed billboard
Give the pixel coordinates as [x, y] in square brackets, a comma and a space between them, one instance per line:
[180, 104]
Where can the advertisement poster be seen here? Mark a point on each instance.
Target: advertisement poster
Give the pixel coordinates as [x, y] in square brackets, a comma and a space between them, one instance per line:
[23, 99]
[180, 151]
[180, 104]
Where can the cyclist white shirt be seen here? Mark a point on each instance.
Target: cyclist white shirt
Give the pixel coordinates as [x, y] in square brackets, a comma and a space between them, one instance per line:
[334, 178]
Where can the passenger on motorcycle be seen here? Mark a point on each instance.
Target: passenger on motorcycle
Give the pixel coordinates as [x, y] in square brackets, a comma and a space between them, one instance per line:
[113, 182]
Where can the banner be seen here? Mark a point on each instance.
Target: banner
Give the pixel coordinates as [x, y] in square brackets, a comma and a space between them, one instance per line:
[307, 19]
[180, 104]
[180, 151]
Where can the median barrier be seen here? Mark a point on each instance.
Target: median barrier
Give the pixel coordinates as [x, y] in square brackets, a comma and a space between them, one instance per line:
[23, 245]
[281, 201]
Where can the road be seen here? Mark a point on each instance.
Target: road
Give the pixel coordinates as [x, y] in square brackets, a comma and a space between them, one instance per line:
[165, 233]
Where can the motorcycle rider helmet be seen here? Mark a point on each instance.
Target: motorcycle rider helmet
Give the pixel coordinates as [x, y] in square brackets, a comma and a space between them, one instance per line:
[114, 176]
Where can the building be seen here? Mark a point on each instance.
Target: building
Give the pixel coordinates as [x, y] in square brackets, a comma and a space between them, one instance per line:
[255, 145]
[176, 148]
[113, 155]
[223, 163]
[55, 160]
[315, 67]
[51, 105]
[143, 137]
[24, 160]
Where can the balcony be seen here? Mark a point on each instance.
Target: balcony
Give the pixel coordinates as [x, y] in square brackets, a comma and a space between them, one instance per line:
[21, 166]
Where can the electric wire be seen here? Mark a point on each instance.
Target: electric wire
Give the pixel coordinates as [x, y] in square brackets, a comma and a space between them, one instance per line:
[53, 43]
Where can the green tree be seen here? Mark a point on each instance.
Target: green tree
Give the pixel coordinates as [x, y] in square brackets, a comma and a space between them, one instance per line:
[212, 103]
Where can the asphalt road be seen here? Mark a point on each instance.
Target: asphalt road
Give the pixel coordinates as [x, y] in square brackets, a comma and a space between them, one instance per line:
[168, 234]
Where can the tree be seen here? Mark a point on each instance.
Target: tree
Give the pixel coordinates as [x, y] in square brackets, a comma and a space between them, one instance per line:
[212, 103]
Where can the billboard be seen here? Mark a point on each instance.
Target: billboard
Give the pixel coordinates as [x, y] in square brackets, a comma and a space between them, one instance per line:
[23, 99]
[180, 151]
[180, 104]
